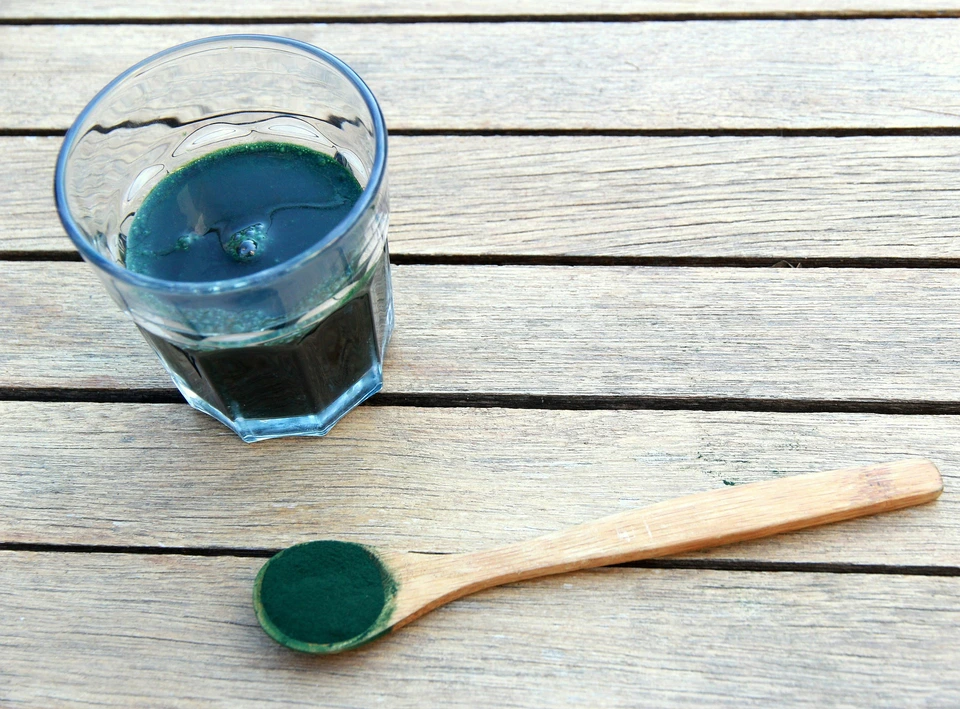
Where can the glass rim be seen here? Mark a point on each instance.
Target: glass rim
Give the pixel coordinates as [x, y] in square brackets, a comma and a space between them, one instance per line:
[266, 275]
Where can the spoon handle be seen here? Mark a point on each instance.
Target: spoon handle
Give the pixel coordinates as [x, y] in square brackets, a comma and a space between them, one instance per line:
[709, 519]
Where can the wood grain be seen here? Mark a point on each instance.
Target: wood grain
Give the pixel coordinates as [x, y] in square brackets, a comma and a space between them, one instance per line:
[821, 334]
[758, 197]
[651, 76]
[130, 631]
[420, 479]
[108, 9]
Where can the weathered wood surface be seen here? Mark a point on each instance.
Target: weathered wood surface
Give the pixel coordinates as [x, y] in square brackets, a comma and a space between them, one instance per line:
[419, 479]
[134, 629]
[771, 333]
[801, 197]
[130, 631]
[649, 75]
[185, 9]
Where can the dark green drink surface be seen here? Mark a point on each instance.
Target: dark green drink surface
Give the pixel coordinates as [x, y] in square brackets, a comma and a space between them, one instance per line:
[237, 211]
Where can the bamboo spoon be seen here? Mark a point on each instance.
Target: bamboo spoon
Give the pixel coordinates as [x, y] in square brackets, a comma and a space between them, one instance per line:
[362, 593]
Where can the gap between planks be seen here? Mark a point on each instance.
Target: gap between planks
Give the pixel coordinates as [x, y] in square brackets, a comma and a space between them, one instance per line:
[662, 563]
[170, 395]
[838, 132]
[151, 11]
[597, 18]
[782, 261]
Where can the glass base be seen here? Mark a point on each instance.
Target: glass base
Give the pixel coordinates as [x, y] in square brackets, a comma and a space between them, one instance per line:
[319, 424]
[299, 386]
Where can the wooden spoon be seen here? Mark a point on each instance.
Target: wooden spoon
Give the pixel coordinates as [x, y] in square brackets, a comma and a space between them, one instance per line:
[413, 584]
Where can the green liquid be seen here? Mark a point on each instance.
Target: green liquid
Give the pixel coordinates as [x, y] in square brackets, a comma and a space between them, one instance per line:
[241, 210]
[238, 211]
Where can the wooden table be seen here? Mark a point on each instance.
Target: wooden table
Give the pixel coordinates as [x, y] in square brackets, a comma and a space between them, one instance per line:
[642, 248]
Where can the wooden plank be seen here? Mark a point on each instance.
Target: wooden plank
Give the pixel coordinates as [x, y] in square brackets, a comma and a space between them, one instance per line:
[419, 479]
[820, 334]
[28, 214]
[122, 630]
[762, 197]
[651, 76]
[185, 9]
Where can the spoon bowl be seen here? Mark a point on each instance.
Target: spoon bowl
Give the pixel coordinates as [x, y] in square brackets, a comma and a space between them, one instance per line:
[324, 597]
[336, 595]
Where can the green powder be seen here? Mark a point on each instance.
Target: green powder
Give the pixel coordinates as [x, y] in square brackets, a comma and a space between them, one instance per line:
[324, 592]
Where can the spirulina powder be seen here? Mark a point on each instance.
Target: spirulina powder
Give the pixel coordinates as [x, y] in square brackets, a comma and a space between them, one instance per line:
[323, 592]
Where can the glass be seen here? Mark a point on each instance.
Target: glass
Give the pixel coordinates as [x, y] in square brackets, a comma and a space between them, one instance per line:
[284, 351]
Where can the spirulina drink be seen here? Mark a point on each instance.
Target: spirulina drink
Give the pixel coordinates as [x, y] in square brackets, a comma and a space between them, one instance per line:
[231, 214]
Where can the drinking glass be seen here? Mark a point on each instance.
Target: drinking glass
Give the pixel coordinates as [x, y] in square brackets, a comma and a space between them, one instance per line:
[284, 351]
